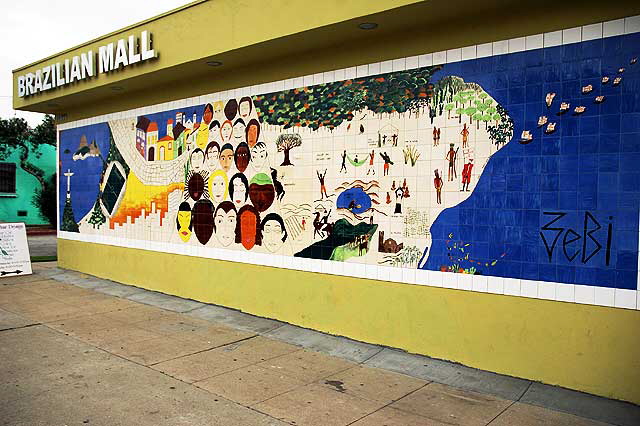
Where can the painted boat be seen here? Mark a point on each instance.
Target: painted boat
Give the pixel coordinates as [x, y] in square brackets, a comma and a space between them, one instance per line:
[542, 120]
[549, 99]
[551, 127]
[526, 137]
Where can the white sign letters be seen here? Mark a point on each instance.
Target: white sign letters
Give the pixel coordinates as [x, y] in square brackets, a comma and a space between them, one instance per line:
[110, 57]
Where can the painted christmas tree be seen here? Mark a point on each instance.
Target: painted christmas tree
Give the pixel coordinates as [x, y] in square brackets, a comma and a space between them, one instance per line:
[97, 217]
[68, 221]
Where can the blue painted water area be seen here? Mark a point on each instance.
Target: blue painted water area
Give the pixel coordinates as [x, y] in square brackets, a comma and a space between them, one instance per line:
[577, 189]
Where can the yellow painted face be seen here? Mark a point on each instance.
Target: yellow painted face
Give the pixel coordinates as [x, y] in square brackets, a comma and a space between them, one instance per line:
[184, 220]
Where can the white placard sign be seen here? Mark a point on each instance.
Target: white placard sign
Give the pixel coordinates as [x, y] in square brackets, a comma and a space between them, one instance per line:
[14, 250]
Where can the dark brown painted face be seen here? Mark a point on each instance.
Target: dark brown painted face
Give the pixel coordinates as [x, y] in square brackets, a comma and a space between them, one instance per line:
[242, 157]
[202, 219]
[196, 186]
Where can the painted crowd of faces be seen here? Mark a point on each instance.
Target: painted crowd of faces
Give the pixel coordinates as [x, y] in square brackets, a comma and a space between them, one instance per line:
[228, 183]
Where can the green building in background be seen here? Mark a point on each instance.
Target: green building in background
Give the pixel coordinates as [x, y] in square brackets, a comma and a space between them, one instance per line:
[18, 187]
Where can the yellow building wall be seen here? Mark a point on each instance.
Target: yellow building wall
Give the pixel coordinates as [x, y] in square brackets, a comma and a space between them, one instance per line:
[589, 348]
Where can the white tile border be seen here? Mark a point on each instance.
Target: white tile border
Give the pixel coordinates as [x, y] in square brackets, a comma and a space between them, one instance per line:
[591, 295]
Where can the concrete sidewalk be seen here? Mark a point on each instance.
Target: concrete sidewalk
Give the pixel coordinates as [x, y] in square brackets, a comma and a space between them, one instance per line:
[78, 350]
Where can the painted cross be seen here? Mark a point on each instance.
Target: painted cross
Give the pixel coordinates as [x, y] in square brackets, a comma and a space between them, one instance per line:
[68, 174]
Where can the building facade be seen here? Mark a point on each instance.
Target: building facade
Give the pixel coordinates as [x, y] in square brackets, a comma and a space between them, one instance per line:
[18, 187]
[457, 188]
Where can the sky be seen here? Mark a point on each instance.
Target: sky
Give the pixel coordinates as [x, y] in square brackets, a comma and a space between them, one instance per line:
[35, 29]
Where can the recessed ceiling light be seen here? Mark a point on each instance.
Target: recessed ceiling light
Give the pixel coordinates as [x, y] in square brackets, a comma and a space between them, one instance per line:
[214, 63]
[368, 26]
[117, 88]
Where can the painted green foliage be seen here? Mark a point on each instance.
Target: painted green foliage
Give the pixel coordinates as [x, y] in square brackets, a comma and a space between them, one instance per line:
[330, 104]
[68, 221]
[503, 130]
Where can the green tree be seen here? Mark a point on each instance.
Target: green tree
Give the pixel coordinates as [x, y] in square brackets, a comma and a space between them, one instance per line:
[97, 217]
[16, 134]
[448, 108]
[69, 223]
[45, 200]
[330, 104]
[478, 117]
[470, 111]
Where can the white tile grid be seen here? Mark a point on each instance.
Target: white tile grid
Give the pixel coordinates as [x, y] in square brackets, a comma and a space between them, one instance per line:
[529, 288]
[512, 286]
[625, 298]
[517, 44]
[484, 50]
[454, 55]
[468, 53]
[585, 294]
[547, 290]
[603, 296]
[613, 28]
[565, 292]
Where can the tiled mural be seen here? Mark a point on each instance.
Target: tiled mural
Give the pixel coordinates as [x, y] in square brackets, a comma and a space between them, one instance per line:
[520, 165]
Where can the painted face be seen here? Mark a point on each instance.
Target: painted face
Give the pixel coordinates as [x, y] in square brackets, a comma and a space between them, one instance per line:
[239, 192]
[272, 236]
[213, 156]
[197, 160]
[195, 186]
[252, 135]
[226, 131]
[218, 189]
[258, 158]
[225, 227]
[226, 159]
[207, 116]
[248, 228]
[238, 131]
[245, 109]
[184, 219]
[242, 157]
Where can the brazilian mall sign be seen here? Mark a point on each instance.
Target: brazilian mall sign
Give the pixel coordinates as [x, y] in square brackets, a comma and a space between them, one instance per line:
[110, 57]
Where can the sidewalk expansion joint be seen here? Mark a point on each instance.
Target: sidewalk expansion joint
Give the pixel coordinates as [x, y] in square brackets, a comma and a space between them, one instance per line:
[22, 326]
[204, 350]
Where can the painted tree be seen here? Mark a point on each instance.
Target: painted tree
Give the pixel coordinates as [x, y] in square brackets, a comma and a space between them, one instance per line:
[502, 132]
[97, 217]
[285, 143]
[69, 223]
[478, 117]
[330, 104]
[470, 111]
[448, 108]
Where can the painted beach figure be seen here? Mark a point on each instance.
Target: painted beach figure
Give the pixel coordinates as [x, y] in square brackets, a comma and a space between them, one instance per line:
[451, 158]
[438, 184]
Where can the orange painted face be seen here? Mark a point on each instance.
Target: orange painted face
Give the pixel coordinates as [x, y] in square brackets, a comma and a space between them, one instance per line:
[208, 115]
[248, 227]
[252, 135]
